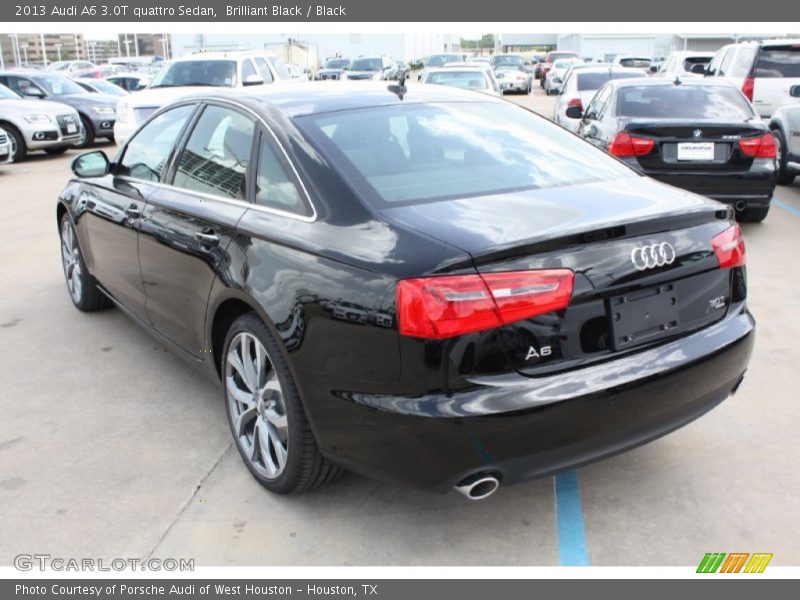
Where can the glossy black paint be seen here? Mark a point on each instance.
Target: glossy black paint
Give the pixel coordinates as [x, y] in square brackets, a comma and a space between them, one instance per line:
[731, 177]
[424, 412]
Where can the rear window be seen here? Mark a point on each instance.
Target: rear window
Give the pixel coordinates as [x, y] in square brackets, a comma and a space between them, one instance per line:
[684, 102]
[782, 61]
[691, 61]
[406, 154]
[508, 60]
[594, 81]
[554, 56]
[473, 80]
[437, 60]
[367, 64]
[635, 63]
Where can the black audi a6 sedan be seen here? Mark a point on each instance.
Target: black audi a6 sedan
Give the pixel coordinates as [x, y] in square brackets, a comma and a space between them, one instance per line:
[440, 289]
[698, 134]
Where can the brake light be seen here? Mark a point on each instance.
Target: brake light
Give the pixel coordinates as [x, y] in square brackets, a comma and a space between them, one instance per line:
[625, 144]
[763, 146]
[747, 88]
[729, 247]
[452, 305]
[575, 102]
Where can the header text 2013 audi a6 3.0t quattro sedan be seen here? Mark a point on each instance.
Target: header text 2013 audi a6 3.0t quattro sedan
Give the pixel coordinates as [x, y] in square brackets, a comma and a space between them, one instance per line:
[437, 288]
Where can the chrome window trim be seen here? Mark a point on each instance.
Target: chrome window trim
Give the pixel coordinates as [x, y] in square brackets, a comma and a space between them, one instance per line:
[276, 211]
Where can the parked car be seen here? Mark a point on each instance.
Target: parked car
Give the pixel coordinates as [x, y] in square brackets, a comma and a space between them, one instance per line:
[333, 69]
[555, 76]
[699, 135]
[97, 111]
[6, 152]
[507, 60]
[513, 79]
[785, 126]
[195, 73]
[683, 63]
[373, 68]
[131, 82]
[764, 71]
[633, 61]
[549, 59]
[101, 86]
[99, 72]
[37, 124]
[297, 72]
[438, 60]
[580, 85]
[472, 78]
[505, 282]
[71, 68]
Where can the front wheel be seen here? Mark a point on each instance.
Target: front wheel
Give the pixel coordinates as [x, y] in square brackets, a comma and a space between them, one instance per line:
[82, 287]
[265, 413]
[87, 134]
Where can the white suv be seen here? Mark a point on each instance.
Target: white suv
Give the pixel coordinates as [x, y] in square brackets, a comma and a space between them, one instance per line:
[765, 71]
[195, 73]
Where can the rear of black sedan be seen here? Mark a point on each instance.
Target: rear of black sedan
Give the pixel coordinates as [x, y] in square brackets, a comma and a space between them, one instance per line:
[471, 296]
[700, 135]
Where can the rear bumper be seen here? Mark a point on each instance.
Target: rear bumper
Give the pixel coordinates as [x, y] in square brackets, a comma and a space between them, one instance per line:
[521, 428]
[754, 187]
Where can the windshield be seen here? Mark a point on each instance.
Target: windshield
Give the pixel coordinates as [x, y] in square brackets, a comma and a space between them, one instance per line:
[59, 86]
[635, 63]
[594, 81]
[337, 63]
[218, 73]
[7, 93]
[508, 60]
[472, 80]
[684, 102]
[280, 67]
[423, 152]
[437, 60]
[367, 64]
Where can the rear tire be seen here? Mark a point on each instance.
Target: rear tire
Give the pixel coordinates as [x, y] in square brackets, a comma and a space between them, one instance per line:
[265, 414]
[753, 214]
[82, 287]
[784, 176]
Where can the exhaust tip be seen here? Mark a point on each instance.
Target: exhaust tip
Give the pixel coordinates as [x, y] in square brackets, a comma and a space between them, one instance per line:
[478, 486]
[740, 205]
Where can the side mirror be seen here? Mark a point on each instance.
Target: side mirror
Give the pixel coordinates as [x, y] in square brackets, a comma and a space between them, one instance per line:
[253, 80]
[698, 69]
[794, 91]
[91, 164]
[574, 112]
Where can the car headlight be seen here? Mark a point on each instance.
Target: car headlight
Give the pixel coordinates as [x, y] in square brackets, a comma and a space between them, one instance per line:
[37, 119]
[124, 111]
[103, 110]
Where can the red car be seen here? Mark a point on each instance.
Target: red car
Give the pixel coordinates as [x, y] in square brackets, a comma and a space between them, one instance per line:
[548, 62]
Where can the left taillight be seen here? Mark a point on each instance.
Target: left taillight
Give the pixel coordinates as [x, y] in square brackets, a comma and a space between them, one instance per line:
[452, 305]
[748, 87]
[729, 247]
[762, 146]
[625, 144]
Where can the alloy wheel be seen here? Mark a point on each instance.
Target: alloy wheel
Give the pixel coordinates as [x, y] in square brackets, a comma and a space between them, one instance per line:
[256, 405]
[70, 257]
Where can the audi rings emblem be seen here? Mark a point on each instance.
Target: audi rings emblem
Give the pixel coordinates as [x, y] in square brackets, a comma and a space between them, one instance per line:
[655, 255]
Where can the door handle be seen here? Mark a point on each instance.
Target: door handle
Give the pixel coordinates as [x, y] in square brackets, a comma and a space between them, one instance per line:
[207, 238]
[133, 211]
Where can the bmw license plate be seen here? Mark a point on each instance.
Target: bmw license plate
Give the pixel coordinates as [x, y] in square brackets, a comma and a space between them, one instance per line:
[643, 316]
[696, 151]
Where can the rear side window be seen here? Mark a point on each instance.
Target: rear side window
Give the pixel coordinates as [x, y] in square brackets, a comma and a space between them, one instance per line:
[216, 156]
[275, 188]
[635, 63]
[741, 64]
[684, 102]
[147, 153]
[594, 81]
[264, 70]
[783, 61]
[247, 69]
[464, 79]
[406, 154]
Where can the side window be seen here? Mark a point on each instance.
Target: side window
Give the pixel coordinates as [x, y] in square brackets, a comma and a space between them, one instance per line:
[274, 186]
[216, 156]
[725, 65]
[247, 69]
[147, 153]
[24, 86]
[740, 67]
[595, 107]
[713, 66]
[263, 68]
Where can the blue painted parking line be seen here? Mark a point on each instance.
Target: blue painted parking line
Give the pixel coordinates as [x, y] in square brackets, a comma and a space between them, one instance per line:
[569, 519]
[786, 207]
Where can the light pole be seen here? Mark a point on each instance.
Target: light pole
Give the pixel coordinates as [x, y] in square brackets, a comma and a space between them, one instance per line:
[93, 51]
[24, 48]
[58, 50]
[15, 48]
[136, 44]
[127, 43]
[44, 50]
[77, 46]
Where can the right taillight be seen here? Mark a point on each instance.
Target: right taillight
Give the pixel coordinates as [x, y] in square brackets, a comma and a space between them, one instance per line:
[762, 146]
[748, 87]
[729, 247]
[625, 144]
[452, 305]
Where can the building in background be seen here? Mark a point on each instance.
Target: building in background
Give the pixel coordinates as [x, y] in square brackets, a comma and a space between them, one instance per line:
[308, 51]
[526, 43]
[22, 49]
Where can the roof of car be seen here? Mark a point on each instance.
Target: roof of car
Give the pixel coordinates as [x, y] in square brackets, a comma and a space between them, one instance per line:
[667, 81]
[590, 68]
[222, 55]
[303, 98]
